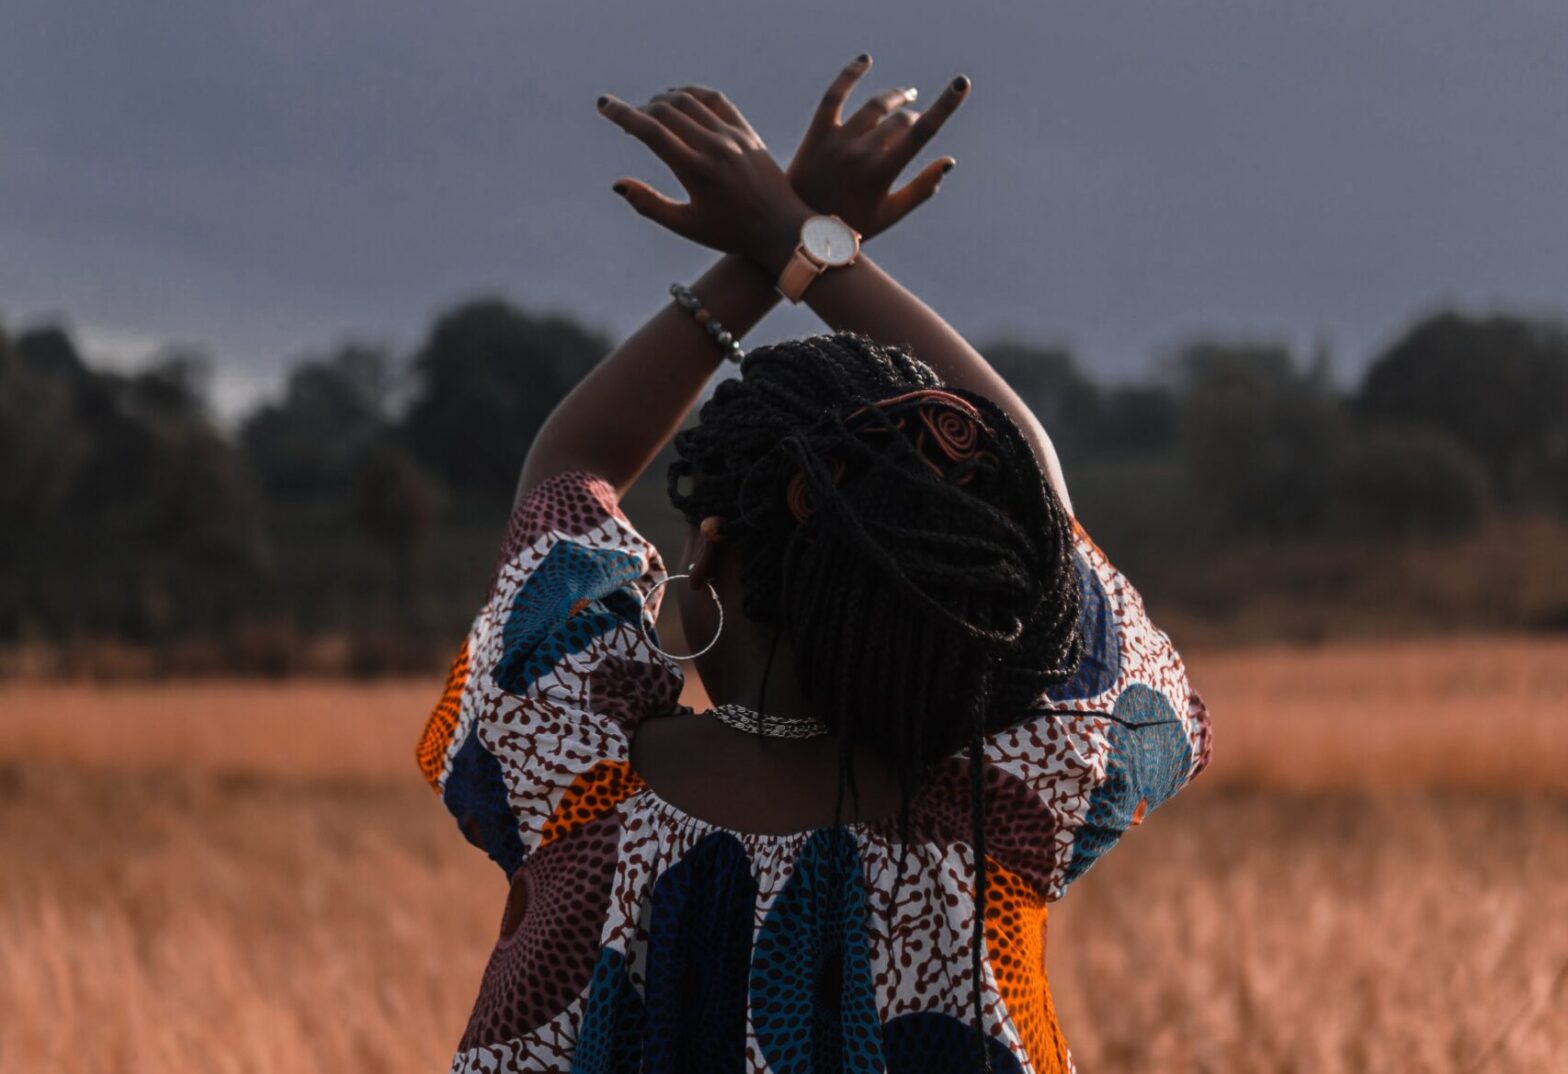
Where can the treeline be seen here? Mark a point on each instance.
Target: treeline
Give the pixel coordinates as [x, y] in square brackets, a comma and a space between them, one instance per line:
[349, 524]
[1459, 418]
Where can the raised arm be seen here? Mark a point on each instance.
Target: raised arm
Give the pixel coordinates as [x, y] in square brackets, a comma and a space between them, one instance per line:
[741, 203]
[617, 418]
[862, 297]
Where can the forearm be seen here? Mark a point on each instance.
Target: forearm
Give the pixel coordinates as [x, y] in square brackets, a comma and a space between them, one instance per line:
[620, 415]
[863, 298]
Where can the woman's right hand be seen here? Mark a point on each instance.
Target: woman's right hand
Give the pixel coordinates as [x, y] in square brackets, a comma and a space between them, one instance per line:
[741, 202]
[847, 166]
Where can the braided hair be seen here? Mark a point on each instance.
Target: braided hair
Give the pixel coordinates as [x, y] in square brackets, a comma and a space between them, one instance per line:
[902, 535]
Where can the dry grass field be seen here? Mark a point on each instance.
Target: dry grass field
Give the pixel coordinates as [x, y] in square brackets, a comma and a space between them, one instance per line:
[247, 877]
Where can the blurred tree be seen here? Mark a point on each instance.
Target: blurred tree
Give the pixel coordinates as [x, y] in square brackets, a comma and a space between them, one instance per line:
[116, 477]
[1409, 482]
[489, 374]
[1260, 439]
[1047, 378]
[126, 418]
[395, 506]
[203, 510]
[1139, 420]
[41, 443]
[49, 350]
[332, 409]
[1498, 385]
[135, 516]
[175, 495]
[172, 390]
[1087, 423]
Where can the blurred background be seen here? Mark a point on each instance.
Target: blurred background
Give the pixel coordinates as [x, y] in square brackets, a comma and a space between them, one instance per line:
[285, 292]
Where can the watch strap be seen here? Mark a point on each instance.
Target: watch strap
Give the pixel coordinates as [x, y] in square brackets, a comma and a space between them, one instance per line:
[798, 274]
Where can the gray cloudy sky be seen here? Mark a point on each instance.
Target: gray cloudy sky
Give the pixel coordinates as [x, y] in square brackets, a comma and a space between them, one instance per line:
[266, 178]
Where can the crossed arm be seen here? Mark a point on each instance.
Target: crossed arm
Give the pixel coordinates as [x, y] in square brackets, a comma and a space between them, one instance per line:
[741, 203]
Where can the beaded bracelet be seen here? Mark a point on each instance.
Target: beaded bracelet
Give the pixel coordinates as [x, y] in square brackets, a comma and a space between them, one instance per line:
[688, 301]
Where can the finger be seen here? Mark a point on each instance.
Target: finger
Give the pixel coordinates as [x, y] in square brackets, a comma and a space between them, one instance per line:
[896, 126]
[832, 105]
[878, 108]
[901, 202]
[719, 105]
[655, 206]
[953, 96]
[682, 125]
[891, 137]
[640, 125]
[691, 106]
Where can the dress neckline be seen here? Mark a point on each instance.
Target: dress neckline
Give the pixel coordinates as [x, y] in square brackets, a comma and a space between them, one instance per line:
[656, 803]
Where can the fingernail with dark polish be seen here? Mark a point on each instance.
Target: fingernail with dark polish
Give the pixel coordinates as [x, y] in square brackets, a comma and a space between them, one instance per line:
[947, 167]
[619, 188]
[961, 83]
[863, 57]
[603, 101]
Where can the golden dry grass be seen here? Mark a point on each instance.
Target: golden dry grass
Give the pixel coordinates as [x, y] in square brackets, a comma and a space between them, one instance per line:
[1482, 714]
[242, 877]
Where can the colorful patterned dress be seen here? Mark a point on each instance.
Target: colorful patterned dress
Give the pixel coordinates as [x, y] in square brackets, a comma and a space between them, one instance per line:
[640, 938]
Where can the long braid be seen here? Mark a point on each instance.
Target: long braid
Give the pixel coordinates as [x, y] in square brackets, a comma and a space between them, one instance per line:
[926, 609]
[977, 820]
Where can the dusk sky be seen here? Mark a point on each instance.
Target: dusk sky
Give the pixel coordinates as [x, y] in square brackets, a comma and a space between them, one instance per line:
[265, 179]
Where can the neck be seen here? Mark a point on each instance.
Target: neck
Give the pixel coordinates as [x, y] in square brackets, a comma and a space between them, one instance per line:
[737, 678]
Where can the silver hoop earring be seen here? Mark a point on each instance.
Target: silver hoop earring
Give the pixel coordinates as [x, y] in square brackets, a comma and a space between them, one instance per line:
[666, 580]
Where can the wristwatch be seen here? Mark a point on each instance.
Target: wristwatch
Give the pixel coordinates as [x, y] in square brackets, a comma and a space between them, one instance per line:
[825, 242]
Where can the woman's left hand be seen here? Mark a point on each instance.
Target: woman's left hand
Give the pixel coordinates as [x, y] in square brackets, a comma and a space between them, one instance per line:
[847, 166]
[741, 202]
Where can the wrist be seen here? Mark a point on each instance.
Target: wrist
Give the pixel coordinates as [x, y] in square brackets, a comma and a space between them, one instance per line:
[779, 236]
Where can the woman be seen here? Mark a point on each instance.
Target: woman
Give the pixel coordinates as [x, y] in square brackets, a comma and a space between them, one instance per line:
[936, 702]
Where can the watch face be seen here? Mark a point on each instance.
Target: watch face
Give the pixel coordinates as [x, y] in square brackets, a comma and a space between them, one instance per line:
[828, 240]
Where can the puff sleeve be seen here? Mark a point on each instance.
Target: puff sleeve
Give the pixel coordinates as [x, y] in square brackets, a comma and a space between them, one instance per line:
[1098, 752]
[532, 734]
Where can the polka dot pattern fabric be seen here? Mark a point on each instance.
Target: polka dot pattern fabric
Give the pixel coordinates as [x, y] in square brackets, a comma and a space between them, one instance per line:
[610, 1039]
[1015, 915]
[1101, 661]
[699, 939]
[547, 953]
[590, 796]
[812, 1004]
[639, 939]
[442, 724]
[930, 1041]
